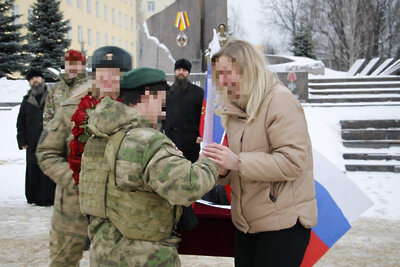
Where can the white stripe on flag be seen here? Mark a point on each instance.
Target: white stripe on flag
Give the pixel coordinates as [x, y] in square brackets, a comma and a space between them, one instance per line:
[349, 198]
[209, 115]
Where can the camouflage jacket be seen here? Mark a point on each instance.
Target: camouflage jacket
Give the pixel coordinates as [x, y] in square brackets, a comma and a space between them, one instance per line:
[147, 161]
[59, 93]
[52, 153]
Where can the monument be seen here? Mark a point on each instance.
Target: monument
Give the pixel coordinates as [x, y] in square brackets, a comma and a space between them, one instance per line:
[183, 29]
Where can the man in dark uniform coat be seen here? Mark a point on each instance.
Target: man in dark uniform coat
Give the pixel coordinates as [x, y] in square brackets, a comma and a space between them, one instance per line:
[39, 188]
[183, 110]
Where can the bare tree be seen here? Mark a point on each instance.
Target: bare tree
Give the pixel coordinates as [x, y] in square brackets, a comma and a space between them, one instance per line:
[361, 29]
[287, 14]
[347, 25]
[235, 28]
[390, 36]
[342, 30]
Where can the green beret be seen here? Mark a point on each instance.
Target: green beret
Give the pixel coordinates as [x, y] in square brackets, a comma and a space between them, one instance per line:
[141, 76]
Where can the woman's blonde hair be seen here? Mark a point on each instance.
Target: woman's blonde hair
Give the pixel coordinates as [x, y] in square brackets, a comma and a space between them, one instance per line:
[255, 81]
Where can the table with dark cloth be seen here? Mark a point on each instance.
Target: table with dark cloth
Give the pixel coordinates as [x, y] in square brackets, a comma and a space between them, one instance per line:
[214, 236]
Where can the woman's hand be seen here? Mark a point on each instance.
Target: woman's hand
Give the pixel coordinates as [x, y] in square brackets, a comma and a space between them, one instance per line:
[223, 157]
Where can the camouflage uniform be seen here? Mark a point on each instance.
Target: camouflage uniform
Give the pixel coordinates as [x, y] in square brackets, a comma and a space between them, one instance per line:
[147, 162]
[59, 93]
[68, 225]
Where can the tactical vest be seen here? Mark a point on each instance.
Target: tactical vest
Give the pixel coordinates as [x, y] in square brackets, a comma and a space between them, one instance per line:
[136, 214]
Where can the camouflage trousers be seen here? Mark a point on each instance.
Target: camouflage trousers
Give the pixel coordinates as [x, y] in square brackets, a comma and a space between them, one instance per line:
[66, 249]
[109, 248]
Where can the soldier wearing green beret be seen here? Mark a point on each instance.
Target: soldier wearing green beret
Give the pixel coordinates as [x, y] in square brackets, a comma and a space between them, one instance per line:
[134, 181]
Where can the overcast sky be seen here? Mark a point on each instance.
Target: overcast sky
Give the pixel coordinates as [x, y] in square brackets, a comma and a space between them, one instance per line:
[251, 17]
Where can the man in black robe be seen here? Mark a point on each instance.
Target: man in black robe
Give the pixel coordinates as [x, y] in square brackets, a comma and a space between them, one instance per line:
[183, 111]
[39, 188]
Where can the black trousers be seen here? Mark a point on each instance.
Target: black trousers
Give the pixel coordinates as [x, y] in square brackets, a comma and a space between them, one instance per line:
[283, 248]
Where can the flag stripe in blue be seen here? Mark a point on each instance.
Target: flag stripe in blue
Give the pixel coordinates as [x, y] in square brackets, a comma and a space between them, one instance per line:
[332, 224]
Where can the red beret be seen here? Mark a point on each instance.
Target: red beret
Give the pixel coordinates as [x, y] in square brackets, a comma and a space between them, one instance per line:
[73, 55]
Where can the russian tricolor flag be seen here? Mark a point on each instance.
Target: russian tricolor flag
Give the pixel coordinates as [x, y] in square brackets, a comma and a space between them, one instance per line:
[211, 129]
[339, 203]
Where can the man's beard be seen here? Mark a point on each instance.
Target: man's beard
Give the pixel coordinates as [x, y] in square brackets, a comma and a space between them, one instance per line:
[181, 84]
[38, 90]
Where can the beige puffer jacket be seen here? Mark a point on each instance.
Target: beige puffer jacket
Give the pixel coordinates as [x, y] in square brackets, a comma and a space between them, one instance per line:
[274, 186]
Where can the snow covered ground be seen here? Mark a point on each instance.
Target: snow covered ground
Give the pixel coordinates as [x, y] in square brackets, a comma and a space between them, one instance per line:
[373, 241]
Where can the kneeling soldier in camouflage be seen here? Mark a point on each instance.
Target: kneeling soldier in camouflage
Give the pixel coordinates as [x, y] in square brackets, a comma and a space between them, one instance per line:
[133, 181]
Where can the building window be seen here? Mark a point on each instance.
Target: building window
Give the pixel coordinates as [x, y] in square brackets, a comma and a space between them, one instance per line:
[119, 18]
[126, 21]
[80, 37]
[69, 2]
[89, 6]
[98, 42]
[70, 30]
[131, 2]
[151, 6]
[15, 12]
[89, 36]
[120, 43]
[97, 8]
[132, 49]
[113, 40]
[126, 46]
[113, 15]
[105, 12]
[79, 4]
[132, 24]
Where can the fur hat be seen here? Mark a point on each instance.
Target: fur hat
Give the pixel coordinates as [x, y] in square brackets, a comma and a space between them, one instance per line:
[111, 57]
[141, 76]
[32, 72]
[184, 64]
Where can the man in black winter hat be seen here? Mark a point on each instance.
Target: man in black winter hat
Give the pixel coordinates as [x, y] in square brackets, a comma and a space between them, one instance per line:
[183, 107]
[39, 188]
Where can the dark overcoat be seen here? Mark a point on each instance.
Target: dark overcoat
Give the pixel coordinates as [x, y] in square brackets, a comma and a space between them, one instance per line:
[39, 189]
[183, 111]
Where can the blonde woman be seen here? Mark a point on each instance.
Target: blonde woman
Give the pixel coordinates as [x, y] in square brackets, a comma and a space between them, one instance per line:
[268, 163]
